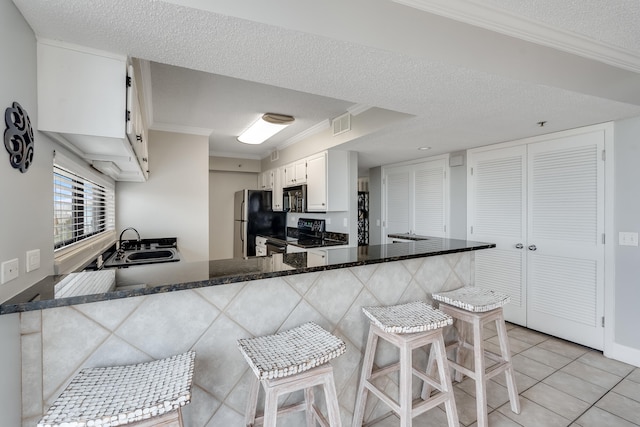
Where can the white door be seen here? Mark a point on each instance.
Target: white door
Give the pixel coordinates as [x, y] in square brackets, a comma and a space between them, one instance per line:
[497, 214]
[565, 228]
[398, 203]
[429, 194]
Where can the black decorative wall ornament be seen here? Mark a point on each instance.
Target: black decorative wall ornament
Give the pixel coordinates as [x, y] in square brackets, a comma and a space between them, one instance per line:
[18, 137]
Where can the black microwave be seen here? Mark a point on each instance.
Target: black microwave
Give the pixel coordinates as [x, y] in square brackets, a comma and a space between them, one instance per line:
[294, 199]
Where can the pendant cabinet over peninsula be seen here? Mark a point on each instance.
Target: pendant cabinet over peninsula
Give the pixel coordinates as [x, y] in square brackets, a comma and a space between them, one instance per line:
[88, 102]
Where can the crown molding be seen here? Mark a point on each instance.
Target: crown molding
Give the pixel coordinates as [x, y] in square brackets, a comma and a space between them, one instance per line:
[229, 154]
[504, 22]
[319, 127]
[357, 109]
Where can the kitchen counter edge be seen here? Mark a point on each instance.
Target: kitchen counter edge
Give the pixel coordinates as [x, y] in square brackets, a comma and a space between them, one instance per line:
[13, 305]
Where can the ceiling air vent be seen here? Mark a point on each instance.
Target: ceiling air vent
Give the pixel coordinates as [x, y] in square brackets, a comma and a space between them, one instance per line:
[341, 124]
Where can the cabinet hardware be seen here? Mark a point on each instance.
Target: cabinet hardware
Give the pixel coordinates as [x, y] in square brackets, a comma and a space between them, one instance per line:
[519, 246]
[532, 247]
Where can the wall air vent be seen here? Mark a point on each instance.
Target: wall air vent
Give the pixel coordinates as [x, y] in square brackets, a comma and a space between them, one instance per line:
[341, 124]
[275, 155]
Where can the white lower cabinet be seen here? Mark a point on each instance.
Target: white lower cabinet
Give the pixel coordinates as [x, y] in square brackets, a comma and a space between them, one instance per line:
[316, 257]
[542, 203]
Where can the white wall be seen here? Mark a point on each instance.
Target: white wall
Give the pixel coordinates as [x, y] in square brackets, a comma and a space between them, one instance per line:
[27, 202]
[174, 202]
[222, 188]
[627, 218]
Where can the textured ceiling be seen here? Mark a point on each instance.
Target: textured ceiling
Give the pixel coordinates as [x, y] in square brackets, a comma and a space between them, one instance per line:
[465, 86]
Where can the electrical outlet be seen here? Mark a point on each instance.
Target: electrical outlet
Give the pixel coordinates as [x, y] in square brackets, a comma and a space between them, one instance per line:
[9, 270]
[344, 222]
[33, 260]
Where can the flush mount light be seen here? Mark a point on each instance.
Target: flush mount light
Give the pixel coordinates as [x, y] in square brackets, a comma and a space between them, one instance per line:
[264, 128]
[424, 148]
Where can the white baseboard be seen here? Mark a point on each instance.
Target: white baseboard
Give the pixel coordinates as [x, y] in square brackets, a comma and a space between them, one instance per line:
[624, 354]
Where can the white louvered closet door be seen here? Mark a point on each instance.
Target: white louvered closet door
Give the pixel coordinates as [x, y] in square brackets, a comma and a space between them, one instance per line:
[497, 213]
[430, 194]
[565, 251]
[398, 203]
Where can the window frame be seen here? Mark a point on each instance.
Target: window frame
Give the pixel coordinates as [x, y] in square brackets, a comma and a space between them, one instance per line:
[76, 252]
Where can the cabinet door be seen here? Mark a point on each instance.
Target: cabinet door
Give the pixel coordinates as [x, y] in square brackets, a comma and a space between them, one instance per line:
[497, 213]
[278, 175]
[317, 183]
[301, 172]
[565, 256]
[316, 258]
[289, 175]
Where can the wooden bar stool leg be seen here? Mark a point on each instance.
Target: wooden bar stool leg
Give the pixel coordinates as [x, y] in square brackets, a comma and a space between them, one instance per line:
[405, 385]
[431, 369]
[309, 401]
[331, 397]
[252, 401]
[505, 349]
[439, 350]
[270, 407]
[367, 368]
[462, 336]
[479, 368]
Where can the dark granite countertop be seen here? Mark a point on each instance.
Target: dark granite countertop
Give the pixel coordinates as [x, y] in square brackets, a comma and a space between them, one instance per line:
[408, 236]
[139, 280]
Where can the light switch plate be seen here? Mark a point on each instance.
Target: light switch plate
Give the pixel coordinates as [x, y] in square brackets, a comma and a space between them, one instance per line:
[9, 270]
[33, 260]
[628, 238]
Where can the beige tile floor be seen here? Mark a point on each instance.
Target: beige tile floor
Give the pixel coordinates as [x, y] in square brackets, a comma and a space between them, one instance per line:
[560, 384]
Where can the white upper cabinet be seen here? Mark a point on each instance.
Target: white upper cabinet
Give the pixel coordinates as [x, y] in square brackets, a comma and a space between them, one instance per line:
[266, 180]
[328, 182]
[295, 173]
[82, 103]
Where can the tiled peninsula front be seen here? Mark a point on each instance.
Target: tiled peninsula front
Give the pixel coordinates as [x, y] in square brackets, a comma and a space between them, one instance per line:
[57, 342]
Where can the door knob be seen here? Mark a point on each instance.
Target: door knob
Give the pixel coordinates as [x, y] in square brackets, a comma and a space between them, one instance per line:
[532, 247]
[519, 246]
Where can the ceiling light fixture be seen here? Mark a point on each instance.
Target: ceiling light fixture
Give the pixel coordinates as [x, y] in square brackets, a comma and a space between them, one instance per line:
[265, 127]
[424, 148]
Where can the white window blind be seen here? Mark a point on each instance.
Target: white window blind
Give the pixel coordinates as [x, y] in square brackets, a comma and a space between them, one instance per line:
[82, 207]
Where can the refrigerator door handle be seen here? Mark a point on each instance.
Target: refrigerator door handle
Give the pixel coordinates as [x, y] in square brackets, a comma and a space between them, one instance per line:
[243, 217]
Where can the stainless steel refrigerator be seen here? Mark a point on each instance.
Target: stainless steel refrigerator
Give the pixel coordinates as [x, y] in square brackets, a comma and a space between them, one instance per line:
[254, 216]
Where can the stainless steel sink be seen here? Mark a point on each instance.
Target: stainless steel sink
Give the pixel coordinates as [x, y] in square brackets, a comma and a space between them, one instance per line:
[160, 254]
[142, 256]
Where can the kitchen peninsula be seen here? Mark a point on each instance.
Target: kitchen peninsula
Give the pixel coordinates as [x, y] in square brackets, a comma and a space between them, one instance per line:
[159, 310]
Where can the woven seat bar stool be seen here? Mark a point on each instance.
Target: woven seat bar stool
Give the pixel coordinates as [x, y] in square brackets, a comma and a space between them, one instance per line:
[292, 360]
[143, 395]
[406, 326]
[477, 306]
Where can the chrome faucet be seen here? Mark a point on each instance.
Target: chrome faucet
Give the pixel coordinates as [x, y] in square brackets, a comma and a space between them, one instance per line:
[120, 241]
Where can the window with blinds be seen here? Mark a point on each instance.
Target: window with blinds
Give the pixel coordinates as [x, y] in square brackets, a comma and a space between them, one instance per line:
[81, 208]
